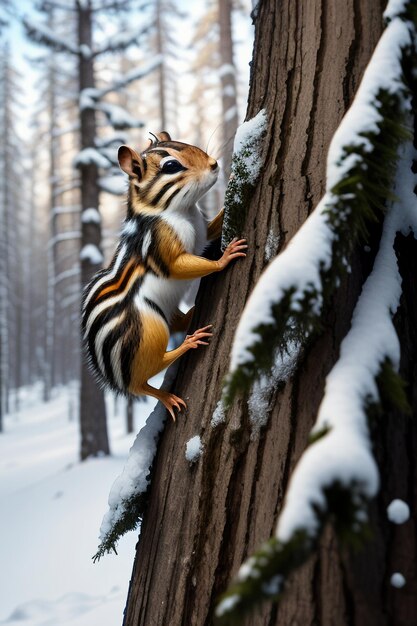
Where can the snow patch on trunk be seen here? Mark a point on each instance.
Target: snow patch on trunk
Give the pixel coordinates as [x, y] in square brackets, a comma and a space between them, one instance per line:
[193, 449]
[398, 512]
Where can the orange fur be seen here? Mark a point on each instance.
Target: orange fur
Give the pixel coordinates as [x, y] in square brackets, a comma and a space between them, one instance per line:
[115, 286]
[148, 359]
[151, 356]
[189, 266]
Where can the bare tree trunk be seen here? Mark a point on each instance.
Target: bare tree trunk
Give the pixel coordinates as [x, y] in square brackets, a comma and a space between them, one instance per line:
[203, 520]
[51, 304]
[94, 438]
[5, 246]
[160, 49]
[228, 83]
[129, 415]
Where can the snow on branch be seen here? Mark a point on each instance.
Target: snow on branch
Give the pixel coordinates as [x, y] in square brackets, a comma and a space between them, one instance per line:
[118, 117]
[121, 41]
[42, 34]
[67, 236]
[89, 156]
[246, 166]
[337, 474]
[89, 97]
[92, 254]
[115, 185]
[288, 300]
[48, 4]
[64, 210]
[128, 493]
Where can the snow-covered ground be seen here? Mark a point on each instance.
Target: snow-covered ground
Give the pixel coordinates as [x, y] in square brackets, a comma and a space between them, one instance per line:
[51, 507]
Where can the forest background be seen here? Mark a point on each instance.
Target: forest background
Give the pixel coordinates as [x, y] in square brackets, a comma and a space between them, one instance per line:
[155, 65]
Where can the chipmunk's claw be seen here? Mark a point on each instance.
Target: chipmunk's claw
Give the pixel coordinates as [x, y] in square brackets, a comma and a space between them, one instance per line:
[199, 336]
[171, 401]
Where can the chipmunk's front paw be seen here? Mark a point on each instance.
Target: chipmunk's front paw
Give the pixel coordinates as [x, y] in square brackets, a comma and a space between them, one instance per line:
[197, 338]
[171, 401]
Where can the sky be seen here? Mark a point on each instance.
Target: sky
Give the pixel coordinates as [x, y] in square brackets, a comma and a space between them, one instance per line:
[22, 49]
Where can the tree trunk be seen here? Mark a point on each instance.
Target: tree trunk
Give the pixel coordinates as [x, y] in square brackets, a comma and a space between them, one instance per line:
[160, 49]
[228, 84]
[129, 415]
[53, 165]
[94, 438]
[203, 520]
[4, 238]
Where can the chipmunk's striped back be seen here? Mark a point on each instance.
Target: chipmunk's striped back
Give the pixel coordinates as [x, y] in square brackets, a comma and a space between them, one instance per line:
[108, 325]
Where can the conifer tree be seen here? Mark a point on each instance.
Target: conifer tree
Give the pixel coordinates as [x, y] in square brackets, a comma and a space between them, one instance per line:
[93, 159]
[261, 462]
[13, 167]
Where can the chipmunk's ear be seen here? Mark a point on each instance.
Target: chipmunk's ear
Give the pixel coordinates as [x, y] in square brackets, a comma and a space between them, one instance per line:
[164, 136]
[131, 162]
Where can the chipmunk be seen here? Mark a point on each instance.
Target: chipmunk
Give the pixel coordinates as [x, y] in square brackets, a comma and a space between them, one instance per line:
[129, 309]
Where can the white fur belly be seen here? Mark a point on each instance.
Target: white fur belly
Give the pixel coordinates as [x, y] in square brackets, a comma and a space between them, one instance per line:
[191, 229]
[167, 293]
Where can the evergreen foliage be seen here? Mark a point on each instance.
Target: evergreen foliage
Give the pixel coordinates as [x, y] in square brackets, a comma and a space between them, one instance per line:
[264, 574]
[245, 168]
[129, 493]
[350, 207]
[134, 508]
[362, 196]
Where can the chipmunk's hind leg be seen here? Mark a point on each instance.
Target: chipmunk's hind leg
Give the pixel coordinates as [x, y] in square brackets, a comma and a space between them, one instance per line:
[169, 400]
[157, 360]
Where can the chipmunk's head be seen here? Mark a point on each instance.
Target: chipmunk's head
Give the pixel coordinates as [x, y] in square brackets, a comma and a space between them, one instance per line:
[167, 176]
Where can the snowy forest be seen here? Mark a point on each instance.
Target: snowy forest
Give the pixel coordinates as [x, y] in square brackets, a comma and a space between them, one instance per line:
[241, 175]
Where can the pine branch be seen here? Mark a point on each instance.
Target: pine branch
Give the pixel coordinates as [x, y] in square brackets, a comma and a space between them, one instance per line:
[47, 5]
[89, 97]
[128, 496]
[263, 576]
[294, 290]
[134, 508]
[118, 6]
[337, 476]
[44, 35]
[118, 117]
[122, 41]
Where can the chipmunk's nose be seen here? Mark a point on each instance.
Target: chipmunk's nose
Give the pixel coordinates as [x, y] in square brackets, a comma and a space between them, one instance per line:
[213, 163]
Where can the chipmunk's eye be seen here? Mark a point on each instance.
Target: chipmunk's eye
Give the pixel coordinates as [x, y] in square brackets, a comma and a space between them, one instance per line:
[171, 166]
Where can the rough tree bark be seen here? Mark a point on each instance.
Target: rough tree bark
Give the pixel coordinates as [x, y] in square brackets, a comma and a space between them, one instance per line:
[203, 520]
[94, 438]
